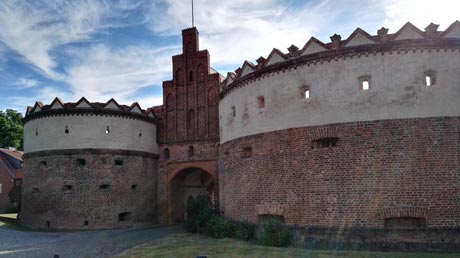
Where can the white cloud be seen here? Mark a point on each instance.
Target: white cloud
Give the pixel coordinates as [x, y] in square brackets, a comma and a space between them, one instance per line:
[44, 94]
[232, 31]
[100, 72]
[421, 13]
[239, 30]
[24, 83]
[148, 102]
[34, 29]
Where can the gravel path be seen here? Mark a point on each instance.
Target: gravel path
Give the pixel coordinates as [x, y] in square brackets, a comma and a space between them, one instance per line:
[91, 244]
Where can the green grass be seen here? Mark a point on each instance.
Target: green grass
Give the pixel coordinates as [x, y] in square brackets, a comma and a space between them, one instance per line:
[191, 246]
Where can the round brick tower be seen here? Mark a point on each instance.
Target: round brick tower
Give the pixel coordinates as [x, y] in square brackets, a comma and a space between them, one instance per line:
[89, 165]
[355, 133]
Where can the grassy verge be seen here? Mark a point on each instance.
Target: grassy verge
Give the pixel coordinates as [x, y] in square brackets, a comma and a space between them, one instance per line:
[191, 246]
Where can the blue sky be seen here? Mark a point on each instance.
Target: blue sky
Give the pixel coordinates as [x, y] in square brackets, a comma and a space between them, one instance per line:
[122, 49]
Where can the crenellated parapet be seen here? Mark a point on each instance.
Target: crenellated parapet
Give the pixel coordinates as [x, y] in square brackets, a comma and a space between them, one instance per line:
[89, 125]
[89, 156]
[360, 42]
[83, 106]
[408, 74]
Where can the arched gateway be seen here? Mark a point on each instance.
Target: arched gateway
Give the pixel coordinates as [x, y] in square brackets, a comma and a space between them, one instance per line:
[188, 184]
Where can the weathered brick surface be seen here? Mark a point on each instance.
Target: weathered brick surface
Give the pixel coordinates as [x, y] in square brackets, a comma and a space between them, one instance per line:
[204, 157]
[189, 118]
[378, 169]
[69, 209]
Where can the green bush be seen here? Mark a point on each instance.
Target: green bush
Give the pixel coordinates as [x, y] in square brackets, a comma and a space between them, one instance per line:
[200, 211]
[273, 233]
[219, 227]
[244, 231]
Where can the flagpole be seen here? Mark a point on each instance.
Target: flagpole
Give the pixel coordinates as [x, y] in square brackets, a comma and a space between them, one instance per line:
[193, 22]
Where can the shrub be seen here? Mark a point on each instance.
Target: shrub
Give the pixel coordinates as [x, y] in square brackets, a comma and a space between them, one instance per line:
[244, 231]
[200, 211]
[219, 227]
[273, 233]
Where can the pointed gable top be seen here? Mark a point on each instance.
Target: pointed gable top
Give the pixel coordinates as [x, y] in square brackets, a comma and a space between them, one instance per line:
[359, 37]
[453, 31]
[112, 104]
[135, 108]
[83, 103]
[275, 56]
[408, 31]
[37, 107]
[312, 46]
[57, 103]
[247, 68]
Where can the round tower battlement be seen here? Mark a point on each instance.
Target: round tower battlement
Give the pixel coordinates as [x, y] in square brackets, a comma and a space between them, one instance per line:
[409, 74]
[336, 135]
[89, 165]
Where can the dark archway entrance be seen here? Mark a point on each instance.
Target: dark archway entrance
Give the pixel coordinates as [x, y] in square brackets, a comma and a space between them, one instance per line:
[188, 183]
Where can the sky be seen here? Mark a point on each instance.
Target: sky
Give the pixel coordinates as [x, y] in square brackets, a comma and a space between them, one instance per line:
[122, 49]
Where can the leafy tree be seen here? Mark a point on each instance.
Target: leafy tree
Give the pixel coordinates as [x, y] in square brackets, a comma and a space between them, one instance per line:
[11, 130]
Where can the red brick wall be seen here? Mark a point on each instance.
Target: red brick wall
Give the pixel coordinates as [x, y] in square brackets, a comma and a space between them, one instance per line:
[406, 167]
[204, 157]
[86, 201]
[189, 117]
[190, 99]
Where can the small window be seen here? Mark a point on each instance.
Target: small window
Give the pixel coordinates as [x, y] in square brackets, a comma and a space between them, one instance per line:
[104, 187]
[140, 133]
[81, 162]
[0, 188]
[191, 151]
[233, 111]
[365, 85]
[36, 131]
[190, 76]
[85, 223]
[325, 142]
[66, 129]
[365, 82]
[246, 152]
[118, 162]
[166, 152]
[67, 188]
[48, 224]
[35, 190]
[134, 187]
[305, 92]
[124, 216]
[43, 163]
[430, 78]
[261, 101]
[107, 130]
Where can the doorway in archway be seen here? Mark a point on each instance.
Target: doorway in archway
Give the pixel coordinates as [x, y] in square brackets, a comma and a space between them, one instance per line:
[187, 184]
